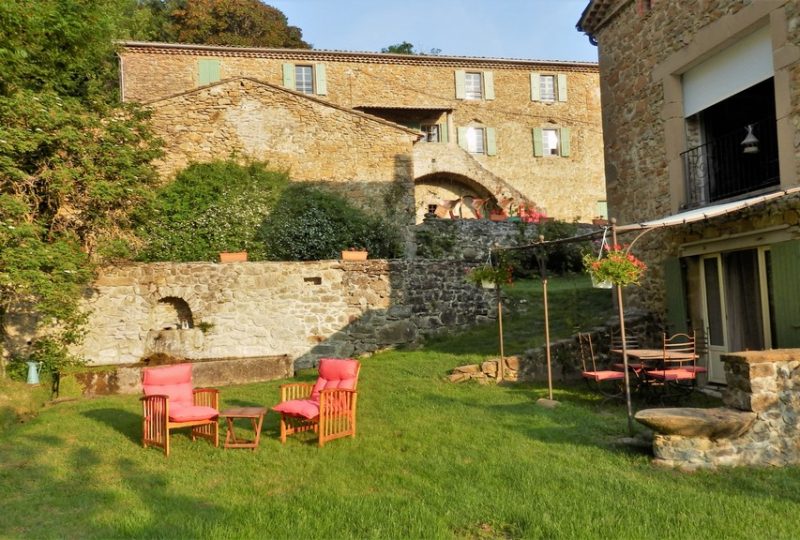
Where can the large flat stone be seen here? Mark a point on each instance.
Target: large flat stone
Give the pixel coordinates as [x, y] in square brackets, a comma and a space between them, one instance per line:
[718, 423]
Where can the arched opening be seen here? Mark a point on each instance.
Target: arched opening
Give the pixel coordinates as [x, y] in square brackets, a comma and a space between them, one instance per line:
[456, 196]
[172, 313]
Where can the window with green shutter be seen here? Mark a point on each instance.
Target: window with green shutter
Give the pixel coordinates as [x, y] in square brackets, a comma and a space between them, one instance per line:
[538, 144]
[321, 79]
[564, 142]
[461, 90]
[785, 260]
[488, 85]
[208, 71]
[491, 142]
[288, 76]
[674, 283]
[562, 87]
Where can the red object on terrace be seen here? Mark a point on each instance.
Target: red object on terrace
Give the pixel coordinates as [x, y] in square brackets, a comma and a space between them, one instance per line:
[327, 407]
[171, 402]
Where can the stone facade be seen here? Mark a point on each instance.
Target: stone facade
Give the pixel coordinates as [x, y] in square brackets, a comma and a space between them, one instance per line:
[765, 384]
[416, 91]
[305, 310]
[645, 51]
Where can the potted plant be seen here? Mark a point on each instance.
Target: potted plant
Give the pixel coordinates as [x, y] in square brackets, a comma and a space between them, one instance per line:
[614, 267]
[490, 277]
[232, 256]
[354, 254]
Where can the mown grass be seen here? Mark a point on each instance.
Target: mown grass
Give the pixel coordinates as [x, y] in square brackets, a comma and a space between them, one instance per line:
[431, 460]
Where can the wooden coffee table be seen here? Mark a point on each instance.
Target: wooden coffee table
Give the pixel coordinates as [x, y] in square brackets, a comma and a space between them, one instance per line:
[256, 416]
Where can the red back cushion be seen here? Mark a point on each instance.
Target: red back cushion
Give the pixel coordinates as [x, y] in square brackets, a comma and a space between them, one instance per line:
[336, 373]
[173, 381]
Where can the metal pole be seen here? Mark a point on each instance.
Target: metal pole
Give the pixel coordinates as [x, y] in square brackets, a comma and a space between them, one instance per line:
[501, 364]
[623, 336]
[547, 339]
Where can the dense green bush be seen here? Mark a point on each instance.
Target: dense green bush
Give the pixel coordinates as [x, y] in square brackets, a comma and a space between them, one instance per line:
[210, 207]
[310, 224]
[560, 258]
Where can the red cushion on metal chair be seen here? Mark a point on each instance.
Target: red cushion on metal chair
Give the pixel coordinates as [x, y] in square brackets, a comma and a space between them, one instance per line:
[677, 374]
[306, 408]
[170, 401]
[599, 376]
[327, 407]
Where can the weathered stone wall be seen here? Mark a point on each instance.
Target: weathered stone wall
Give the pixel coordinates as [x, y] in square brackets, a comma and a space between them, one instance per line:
[637, 114]
[367, 158]
[244, 310]
[766, 383]
[565, 187]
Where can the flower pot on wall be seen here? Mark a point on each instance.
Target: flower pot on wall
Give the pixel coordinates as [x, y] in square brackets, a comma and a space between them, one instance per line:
[354, 255]
[235, 256]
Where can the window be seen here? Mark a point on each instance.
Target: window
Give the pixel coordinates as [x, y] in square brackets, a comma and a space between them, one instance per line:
[208, 71]
[307, 79]
[475, 138]
[474, 85]
[550, 142]
[547, 88]
[304, 79]
[431, 133]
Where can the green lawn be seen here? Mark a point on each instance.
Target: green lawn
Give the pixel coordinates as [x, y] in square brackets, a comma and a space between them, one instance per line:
[431, 460]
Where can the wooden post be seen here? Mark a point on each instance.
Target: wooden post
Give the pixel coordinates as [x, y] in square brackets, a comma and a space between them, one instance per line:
[547, 339]
[501, 363]
[621, 312]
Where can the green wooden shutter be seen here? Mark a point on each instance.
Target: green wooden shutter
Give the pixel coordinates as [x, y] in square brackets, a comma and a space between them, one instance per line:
[443, 135]
[461, 91]
[288, 76]
[676, 296]
[785, 257]
[462, 137]
[565, 144]
[208, 71]
[536, 89]
[538, 147]
[562, 86]
[488, 85]
[491, 142]
[321, 80]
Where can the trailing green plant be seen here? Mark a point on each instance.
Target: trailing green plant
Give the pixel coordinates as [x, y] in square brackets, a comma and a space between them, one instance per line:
[210, 208]
[436, 243]
[308, 223]
[616, 266]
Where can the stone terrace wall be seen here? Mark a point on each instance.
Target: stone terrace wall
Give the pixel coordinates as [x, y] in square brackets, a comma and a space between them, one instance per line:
[766, 383]
[305, 309]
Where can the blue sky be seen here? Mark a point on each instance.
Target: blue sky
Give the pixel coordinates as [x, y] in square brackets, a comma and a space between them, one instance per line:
[531, 29]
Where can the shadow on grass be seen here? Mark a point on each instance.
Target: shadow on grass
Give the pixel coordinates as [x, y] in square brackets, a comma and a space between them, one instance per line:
[125, 422]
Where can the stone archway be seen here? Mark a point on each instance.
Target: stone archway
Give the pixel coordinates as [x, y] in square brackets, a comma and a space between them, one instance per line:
[455, 195]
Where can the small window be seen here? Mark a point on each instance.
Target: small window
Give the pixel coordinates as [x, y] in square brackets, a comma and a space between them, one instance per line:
[550, 142]
[431, 133]
[475, 140]
[547, 87]
[304, 79]
[473, 86]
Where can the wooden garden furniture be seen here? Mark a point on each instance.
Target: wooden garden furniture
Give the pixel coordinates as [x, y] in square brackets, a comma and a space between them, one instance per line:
[256, 417]
[171, 402]
[328, 407]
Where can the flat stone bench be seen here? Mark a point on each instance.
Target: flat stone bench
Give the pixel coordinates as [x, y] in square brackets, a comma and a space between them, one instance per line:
[718, 423]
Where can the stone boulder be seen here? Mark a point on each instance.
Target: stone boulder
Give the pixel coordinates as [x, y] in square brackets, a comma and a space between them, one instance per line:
[718, 423]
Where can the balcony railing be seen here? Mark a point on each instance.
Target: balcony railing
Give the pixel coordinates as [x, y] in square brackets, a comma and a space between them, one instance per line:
[720, 169]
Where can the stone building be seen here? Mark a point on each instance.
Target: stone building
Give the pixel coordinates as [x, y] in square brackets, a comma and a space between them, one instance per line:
[701, 116]
[468, 134]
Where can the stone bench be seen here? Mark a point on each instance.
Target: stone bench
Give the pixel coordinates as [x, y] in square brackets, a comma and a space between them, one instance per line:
[718, 423]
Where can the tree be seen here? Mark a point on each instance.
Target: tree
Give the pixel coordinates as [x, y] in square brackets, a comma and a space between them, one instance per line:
[407, 48]
[73, 161]
[245, 23]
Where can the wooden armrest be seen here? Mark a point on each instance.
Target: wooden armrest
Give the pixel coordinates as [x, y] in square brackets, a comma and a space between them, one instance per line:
[337, 400]
[208, 397]
[292, 391]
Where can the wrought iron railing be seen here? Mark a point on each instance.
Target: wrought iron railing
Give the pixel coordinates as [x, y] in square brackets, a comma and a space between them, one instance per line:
[721, 169]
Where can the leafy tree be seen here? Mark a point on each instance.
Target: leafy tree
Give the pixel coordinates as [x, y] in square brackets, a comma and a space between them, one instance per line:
[73, 162]
[407, 48]
[245, 23]
[210, 207]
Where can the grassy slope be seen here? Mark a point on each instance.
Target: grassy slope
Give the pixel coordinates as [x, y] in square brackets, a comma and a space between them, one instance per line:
[431, 460]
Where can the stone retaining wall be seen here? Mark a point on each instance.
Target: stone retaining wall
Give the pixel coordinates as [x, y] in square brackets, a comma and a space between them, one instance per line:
[766, 383]
[306, 310]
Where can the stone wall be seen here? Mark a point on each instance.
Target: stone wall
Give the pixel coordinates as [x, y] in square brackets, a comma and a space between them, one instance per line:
[306, 310]
[763, 384]
[408, 88]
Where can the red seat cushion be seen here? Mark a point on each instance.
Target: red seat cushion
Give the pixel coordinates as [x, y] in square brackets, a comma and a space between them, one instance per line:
[671, 374]
[695, 369]
[306, 408]
[173, 381]
[335, 373]
[190, 413]
[599, 376]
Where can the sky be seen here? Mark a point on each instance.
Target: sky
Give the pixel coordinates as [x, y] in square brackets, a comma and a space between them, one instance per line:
[528, 29]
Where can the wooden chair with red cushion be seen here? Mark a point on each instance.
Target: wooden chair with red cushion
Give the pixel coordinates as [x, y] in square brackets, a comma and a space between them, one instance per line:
[328, 407]
[171, 402]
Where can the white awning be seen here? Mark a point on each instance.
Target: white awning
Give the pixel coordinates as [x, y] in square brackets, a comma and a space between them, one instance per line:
[706, 212]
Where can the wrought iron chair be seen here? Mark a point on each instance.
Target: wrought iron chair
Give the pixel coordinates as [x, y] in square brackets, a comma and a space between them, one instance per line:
[678, 369]
[631, 342]
[328, 407]
[606, 382]
[171, 402]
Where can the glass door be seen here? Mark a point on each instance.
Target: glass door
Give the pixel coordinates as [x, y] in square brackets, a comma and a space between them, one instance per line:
[714, 315]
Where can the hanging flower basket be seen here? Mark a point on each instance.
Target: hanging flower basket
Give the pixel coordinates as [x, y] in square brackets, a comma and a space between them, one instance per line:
[489, 277]
[614, 267]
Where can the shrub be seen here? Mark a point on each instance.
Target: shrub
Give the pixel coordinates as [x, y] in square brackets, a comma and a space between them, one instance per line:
[308, 223]
[209, 208]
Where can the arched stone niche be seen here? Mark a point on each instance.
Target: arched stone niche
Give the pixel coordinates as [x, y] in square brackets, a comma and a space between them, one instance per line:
[172, 313]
